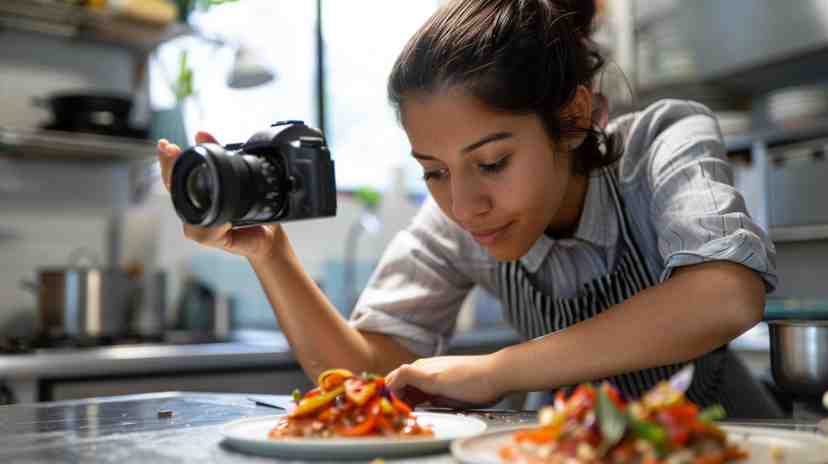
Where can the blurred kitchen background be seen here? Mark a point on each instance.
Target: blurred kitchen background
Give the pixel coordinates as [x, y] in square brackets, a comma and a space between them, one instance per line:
[87, 86]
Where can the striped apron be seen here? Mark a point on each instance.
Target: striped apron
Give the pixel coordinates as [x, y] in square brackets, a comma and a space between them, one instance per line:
[534, 314]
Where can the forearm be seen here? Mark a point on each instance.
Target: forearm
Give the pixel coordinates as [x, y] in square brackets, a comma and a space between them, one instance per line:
[318, 335]
[697, 310]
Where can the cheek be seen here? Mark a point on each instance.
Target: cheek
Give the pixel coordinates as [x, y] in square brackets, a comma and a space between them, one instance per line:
[441, 194]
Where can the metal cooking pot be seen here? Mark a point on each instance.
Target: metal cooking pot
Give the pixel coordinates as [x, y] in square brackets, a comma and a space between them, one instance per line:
[84, 301]
[799, 356]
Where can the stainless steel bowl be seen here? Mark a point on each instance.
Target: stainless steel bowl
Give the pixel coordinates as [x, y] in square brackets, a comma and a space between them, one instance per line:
[799, 356]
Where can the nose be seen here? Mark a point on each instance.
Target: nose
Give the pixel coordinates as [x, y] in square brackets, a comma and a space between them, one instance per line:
[468, 198]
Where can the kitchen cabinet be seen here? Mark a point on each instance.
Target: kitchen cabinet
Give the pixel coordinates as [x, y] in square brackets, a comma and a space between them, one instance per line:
[67, 21]
[262, 381]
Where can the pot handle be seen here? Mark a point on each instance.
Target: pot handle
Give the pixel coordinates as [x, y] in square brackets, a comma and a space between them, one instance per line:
[30, 286]
[79, 254]
[41, 102]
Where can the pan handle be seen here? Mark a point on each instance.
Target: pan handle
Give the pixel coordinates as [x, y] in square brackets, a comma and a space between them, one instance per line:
[79, 254]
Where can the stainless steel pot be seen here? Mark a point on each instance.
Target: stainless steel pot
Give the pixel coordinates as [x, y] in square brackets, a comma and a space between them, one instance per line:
[82, 302]
[799, 356]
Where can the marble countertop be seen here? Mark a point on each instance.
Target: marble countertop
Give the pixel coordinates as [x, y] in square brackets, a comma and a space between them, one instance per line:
[129, 429]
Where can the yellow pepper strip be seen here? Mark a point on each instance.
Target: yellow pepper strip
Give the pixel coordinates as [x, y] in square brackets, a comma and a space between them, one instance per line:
[358, 391]
[332, 378]
[308, 405]
[386, 406]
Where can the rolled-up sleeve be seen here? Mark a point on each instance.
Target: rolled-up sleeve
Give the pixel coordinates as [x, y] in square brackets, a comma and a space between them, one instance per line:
[416, 291]
[699, 216]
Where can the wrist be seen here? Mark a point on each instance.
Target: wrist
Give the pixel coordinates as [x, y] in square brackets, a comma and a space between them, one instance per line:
[501, 367]
[275, 247]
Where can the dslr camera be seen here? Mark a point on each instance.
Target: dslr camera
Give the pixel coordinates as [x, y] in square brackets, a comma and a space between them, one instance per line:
[283, 173]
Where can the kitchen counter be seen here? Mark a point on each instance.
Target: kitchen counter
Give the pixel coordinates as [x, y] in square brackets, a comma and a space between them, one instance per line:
[247, 351]
[129, 429]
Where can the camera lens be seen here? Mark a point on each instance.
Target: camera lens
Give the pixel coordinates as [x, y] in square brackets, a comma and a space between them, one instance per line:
[212, 185]
[199, 187]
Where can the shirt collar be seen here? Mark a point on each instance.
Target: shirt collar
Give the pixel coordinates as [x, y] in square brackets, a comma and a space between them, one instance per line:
[598, 225]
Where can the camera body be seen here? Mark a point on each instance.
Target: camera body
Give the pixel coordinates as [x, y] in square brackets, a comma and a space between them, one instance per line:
[283, 173]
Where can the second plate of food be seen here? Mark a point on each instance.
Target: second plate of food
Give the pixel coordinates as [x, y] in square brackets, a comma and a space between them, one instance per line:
[763, 445]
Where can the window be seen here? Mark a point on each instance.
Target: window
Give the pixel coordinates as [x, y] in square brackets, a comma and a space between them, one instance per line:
[361, 40]
[281, 35]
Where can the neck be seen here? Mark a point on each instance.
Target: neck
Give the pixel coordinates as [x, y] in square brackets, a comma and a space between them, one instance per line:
[565, 223]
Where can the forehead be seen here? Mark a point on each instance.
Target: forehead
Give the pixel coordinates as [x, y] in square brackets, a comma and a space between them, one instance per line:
[451, 118]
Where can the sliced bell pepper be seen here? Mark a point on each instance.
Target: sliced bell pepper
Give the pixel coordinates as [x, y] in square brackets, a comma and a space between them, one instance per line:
[310, 404]
[400, 406]
[363, 428]
[367, 425]
[359, 391]
[332, 378]
[649, 431]
[386, 407]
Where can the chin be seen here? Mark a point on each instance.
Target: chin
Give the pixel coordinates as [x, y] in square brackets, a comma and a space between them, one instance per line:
[505, 252]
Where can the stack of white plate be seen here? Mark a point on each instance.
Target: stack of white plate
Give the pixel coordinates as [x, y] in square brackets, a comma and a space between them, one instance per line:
[798, 106]
[733, 122]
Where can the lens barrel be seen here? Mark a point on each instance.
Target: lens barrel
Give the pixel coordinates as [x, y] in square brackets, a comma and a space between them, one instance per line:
[212, 186]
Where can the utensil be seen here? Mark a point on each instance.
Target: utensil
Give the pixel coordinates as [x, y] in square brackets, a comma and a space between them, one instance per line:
[83, 300]
[799, 356]
[271, 402]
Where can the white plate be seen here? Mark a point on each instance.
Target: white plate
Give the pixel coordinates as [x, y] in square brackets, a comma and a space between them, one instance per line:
[250, 435]
[797, 447]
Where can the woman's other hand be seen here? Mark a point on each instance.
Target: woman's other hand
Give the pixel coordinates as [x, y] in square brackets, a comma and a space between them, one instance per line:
[250, 242]
[451, 381]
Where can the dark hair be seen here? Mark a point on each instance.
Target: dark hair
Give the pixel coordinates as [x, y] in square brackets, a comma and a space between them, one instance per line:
[518, 56]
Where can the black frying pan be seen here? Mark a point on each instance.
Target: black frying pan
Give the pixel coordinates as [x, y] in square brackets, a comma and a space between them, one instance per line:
[91, 112]
[88, 112]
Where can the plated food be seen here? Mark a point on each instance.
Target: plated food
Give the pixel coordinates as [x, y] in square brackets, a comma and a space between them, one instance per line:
[595, 425]
[345, 405]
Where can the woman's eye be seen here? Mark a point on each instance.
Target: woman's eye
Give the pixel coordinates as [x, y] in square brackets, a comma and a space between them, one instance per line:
[435, 174]
[496, 166]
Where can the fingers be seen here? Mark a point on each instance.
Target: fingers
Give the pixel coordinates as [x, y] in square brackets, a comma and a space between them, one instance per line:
[166, 153]
[205, 137]
[218, 237]
[404, 380]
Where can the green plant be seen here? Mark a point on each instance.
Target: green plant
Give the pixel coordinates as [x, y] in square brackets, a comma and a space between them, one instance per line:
[183, 85]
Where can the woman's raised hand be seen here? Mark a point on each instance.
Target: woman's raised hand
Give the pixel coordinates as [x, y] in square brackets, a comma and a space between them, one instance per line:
[250, 242]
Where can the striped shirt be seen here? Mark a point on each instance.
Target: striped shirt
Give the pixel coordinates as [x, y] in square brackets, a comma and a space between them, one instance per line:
[677, 186]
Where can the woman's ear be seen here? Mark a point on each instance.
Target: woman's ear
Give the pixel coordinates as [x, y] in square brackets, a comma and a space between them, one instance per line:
[579, 110]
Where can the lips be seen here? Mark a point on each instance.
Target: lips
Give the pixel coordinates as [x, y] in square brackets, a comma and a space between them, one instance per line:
[490, 235]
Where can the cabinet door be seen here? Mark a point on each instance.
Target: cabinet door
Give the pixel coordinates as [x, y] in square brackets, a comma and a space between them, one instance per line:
[269, 382]
[797, 189]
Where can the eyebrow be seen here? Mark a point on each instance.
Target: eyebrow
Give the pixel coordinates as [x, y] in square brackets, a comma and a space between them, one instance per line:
[487, 139]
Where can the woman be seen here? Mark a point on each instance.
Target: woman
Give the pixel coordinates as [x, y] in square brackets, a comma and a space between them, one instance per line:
[622, 253]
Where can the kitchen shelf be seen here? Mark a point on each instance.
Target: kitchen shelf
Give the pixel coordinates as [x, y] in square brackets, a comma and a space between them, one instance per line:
[776, 138]
[802, 233]
[72, 146]
[79, 23]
